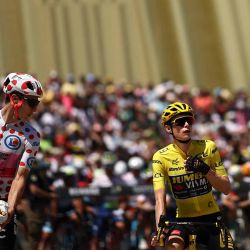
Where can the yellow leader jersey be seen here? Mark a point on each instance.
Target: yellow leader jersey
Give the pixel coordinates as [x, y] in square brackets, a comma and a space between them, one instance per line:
[192, 191]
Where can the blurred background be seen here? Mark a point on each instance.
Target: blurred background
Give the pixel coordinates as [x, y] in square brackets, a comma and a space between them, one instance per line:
[109, 68]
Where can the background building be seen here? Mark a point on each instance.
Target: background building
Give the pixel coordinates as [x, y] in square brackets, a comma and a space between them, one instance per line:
[204, 43]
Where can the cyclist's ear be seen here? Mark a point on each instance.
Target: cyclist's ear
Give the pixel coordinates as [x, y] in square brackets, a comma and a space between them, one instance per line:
[168, 129]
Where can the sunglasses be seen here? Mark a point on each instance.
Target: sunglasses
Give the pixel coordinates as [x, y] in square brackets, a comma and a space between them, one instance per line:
[182, 121]
[32, 102]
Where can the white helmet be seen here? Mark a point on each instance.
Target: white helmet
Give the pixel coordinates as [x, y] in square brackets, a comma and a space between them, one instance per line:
[22, 83]
[135, 162]
[234, 171]
[120, 167]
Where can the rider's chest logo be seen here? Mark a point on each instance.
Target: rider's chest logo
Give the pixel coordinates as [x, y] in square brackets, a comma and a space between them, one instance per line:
[12, 142]
[175, 162]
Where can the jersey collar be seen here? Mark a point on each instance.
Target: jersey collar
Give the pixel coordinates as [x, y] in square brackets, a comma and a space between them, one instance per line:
[178, 149]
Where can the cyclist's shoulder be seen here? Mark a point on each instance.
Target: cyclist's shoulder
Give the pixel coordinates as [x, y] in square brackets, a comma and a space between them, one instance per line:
[28, 125]
[206, 142]
[29, 131]
[164, 151]
[30, 135]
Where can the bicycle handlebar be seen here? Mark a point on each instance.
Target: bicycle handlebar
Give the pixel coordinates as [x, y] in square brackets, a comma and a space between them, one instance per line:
[163, 223]
[170, 223]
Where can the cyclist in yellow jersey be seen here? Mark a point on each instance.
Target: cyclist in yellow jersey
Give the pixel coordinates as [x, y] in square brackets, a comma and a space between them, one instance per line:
[191, 168]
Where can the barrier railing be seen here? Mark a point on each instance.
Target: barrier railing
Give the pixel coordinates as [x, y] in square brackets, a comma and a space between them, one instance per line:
[115, 190]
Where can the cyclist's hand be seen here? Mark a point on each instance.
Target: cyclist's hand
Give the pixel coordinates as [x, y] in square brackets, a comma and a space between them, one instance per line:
[3, 224]
[158, 243]
[195, 164]
[155, 242]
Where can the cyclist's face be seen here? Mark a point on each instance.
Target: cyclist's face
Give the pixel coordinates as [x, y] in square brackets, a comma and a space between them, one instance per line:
[27, 106]
[182, 127]
[27, 109]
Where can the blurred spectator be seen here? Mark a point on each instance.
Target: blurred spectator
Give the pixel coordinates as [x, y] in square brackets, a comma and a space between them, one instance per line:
[133, 176]
[119, 238]
[68, 92]
[203, 102]
[97, 126]
[85, 228]
[237, 205]
[105, 175]
[37, 209]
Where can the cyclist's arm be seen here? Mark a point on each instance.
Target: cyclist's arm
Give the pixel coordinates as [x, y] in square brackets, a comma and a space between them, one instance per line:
[25, 164]
[159, 179]
[160, 204]
[220, 183]
[217, 175]
[17, 188]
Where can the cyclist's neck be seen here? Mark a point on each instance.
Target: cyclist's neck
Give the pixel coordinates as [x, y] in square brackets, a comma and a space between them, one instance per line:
[184, 146]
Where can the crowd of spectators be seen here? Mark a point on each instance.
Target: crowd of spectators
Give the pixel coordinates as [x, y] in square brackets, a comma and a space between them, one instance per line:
[102, 133]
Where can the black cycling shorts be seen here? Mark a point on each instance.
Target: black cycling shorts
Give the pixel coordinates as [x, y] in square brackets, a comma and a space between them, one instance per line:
[8, 235]
[215, 238]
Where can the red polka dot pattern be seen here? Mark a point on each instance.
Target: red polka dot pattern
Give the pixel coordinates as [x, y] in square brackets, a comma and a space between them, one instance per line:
[17, 139]
[24, 85]
[31, 136]
[9, 88]
[39, 91]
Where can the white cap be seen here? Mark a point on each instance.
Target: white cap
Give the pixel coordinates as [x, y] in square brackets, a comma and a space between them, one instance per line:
[135, 162]
[120, 167]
